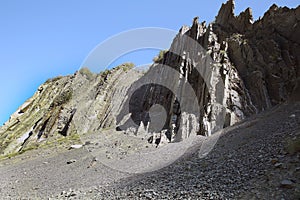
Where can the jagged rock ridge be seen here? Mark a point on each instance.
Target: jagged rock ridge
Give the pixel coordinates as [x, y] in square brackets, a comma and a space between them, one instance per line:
[257, 61]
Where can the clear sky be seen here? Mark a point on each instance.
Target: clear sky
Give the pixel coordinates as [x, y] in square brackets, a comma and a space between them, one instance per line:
[43, 39]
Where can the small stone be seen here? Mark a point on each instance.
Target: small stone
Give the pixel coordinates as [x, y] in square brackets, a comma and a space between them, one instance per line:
[292, 116]
[277, 165]
[72, 194]
[148, 196]
[286, 184]
[71, 161]
[75, 146]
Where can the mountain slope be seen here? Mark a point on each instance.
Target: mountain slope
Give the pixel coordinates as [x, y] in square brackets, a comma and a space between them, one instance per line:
[235, 68]
[234, 78]
[67, 106]
[213, 76]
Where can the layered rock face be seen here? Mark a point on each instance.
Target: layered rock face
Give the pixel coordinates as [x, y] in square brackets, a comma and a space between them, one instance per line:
[66, 106]
[265, 53]
[235, 68]
[212, 76]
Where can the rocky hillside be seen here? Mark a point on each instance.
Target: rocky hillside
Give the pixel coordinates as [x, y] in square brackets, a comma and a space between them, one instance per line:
[65, 106]
[212, 76]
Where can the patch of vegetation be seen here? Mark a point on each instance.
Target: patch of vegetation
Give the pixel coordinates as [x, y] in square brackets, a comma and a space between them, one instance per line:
[50, 142]
[126, 66]
[160, 56]
[54, 79]
[222, 52]
[62, 98]
[87, 73]
[105, 73]
[107, 128]
[66, 140]
[13, 154]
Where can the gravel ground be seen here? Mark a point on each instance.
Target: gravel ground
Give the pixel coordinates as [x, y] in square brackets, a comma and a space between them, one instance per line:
[250, 161]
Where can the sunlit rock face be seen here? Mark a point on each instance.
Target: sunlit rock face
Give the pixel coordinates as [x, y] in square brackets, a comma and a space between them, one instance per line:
[68, 106]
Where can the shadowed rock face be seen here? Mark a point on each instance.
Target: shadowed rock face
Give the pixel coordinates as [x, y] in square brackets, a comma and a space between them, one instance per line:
[254, 66]
[212, 76]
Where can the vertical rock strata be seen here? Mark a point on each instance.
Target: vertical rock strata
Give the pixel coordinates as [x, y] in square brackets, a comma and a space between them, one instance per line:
[234, 66]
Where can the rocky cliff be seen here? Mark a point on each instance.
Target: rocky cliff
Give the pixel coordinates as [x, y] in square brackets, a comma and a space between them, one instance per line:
[212, 76]
[66, 106]
[235, 68]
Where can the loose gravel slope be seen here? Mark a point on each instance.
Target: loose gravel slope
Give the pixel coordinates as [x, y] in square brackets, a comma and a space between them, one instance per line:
[256, 159]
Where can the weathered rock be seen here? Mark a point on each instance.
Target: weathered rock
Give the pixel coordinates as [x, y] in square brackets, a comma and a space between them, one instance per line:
[67, 106]
[255, 66]
[286, 184]
[212, 76]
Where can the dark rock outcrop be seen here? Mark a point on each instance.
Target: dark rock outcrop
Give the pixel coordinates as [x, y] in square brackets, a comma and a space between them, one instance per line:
[254, 66]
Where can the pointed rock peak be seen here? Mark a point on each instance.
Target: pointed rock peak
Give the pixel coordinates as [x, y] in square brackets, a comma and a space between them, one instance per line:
[273, 7]
[196, 20]
[230, 4]
[226, 12]
[195, 23]
[271, 11]
[184, 29]
[246, 16]
[248, 12]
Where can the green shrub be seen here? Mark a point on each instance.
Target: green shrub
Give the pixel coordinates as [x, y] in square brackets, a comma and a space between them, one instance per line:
[87, 73]
[127, 66]
[105, 73]
[160, 56]
[62, 98]
[54, 79]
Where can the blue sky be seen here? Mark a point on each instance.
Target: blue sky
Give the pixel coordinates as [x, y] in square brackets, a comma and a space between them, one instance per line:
[43, 39]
